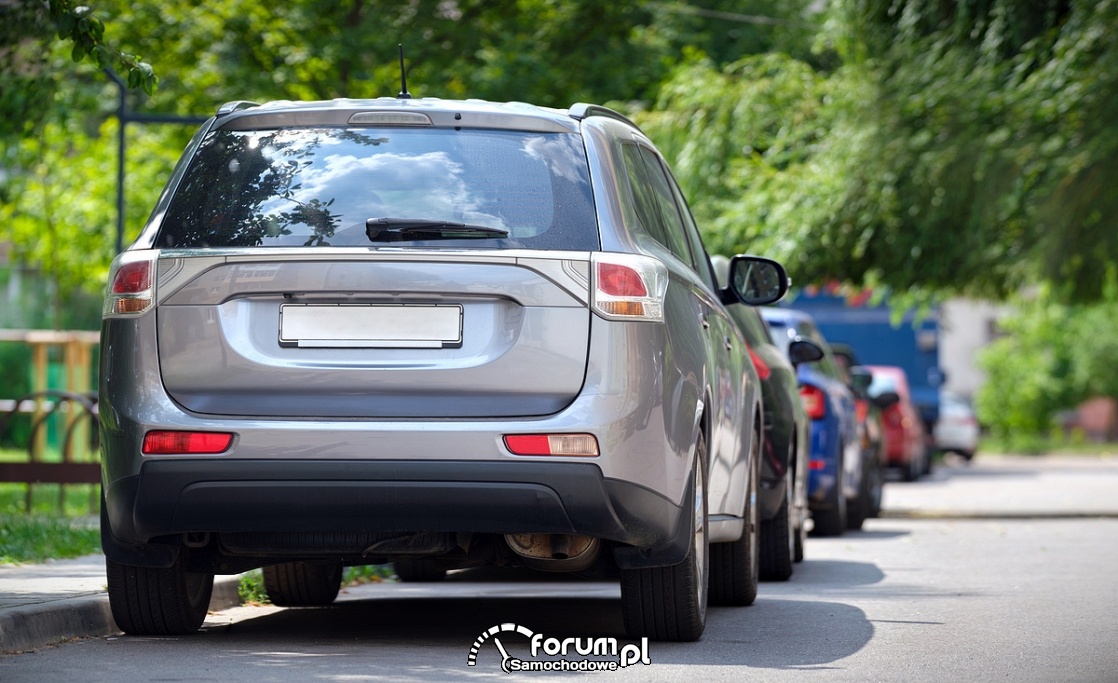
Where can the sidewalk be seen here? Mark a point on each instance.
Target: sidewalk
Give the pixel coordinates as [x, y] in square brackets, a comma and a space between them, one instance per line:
[41, 604]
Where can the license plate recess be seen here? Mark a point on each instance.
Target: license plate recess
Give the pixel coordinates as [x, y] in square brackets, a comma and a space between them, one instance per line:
[371, 326]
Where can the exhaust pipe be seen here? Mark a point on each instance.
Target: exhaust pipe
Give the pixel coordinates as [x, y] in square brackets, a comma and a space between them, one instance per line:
[554, 552]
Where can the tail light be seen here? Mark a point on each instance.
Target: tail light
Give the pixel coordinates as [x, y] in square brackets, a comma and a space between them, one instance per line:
[131, 288]
[552, 444]
[815, 402]
[861, 410]
[628, 286]
[186, 443]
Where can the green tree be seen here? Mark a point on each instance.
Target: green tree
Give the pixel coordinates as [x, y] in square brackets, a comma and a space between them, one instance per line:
[1053, 357]
[959, 147]
[29, 68]
[58, 187]
[990, 131]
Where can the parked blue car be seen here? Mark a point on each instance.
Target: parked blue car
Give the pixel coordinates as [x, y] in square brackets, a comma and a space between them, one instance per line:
[843, 474]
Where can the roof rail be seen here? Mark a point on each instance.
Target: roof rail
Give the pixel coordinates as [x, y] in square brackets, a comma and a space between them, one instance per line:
[582, 110]
[230, 107]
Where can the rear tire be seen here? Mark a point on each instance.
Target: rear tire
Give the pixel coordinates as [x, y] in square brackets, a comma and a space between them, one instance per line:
[302, 584]
[735, 567]
[801, 540]
[912, 469]
[778, 540]
[869, 497]
[148, 601]
[418, 571]
[669, 603]
[831, 521]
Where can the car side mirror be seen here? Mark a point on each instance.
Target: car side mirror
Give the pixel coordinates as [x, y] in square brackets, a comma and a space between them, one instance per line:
[860, 380]
[802, 350]
[756, 281]
[886, 399]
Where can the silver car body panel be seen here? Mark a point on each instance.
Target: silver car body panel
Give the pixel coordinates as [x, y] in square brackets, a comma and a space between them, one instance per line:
[522, 350]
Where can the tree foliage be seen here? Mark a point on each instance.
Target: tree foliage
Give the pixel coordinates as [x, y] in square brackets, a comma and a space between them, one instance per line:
[58, 189]
[1053, 357]
[933, 146]
[960, 146]
[30, 32]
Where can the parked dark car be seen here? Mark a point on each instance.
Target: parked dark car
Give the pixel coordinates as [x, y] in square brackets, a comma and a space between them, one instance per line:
[429, 331]
[870, 423]
[783, 492]
[839, 494]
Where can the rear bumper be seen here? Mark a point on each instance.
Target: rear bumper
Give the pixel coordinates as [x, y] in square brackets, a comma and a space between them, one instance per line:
[147, 514]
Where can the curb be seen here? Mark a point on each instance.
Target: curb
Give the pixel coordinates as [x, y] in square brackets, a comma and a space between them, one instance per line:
[995, 515]
[34, 626]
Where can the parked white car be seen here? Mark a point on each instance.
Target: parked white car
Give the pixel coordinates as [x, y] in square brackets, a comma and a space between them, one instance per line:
[956, 431]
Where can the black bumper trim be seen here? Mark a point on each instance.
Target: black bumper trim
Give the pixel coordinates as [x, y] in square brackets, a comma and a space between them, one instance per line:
[172, 497]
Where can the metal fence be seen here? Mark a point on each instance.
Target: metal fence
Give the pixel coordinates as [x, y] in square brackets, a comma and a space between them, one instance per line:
[76, 417]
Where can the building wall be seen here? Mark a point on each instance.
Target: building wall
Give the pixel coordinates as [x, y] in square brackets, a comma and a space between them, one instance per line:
[966, 326]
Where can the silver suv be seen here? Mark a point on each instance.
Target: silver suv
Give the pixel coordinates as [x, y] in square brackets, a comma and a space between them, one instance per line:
[429, 332]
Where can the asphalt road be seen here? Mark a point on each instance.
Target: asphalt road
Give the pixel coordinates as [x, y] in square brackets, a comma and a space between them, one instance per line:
[1001, 570]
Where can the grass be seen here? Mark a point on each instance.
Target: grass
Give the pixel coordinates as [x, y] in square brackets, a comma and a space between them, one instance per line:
[36, 538]
[62, 522]
[46, 521]
[251, 590]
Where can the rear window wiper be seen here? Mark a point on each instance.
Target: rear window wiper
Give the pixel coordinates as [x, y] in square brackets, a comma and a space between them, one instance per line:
[403, 229]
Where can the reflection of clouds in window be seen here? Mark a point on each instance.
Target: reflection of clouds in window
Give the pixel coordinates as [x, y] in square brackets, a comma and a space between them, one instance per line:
[279, 187]
[559, 153]
[427, 185]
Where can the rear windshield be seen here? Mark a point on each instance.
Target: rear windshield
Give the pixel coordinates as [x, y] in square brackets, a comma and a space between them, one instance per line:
[316, 187]
[883, 383]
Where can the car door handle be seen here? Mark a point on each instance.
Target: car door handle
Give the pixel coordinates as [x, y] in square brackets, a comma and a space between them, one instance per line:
[704, 322]
[728, 343]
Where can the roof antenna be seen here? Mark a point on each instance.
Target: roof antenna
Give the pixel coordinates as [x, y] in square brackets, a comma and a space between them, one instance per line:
[404, 94]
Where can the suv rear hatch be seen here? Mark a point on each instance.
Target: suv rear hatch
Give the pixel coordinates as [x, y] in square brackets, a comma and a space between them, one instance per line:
[359, 264]
[481, 334]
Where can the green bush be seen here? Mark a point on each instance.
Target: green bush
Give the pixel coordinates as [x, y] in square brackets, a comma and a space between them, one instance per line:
[250, 588]
[1053, 357]
[35, 538]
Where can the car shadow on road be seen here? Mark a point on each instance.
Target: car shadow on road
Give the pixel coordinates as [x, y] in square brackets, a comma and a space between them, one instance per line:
[777, 631]
[772, 633]
[775, 634]
[876, 534]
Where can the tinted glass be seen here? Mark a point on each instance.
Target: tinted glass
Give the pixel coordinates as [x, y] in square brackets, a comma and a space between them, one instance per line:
[780, 336]
[756, 333]
[644, 203]
[317, 186]
[669, 212]
[882, 383]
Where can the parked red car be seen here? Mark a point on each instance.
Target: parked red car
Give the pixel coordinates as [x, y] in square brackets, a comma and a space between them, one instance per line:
[905, 437]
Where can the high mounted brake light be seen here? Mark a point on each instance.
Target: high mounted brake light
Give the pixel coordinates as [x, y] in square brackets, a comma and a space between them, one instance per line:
[629, 286]
[131, 284]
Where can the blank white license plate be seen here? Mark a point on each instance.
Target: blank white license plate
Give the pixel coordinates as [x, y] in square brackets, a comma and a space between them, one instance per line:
[403, 326]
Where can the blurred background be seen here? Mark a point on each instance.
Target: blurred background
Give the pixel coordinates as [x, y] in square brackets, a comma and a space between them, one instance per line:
[937, 175]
